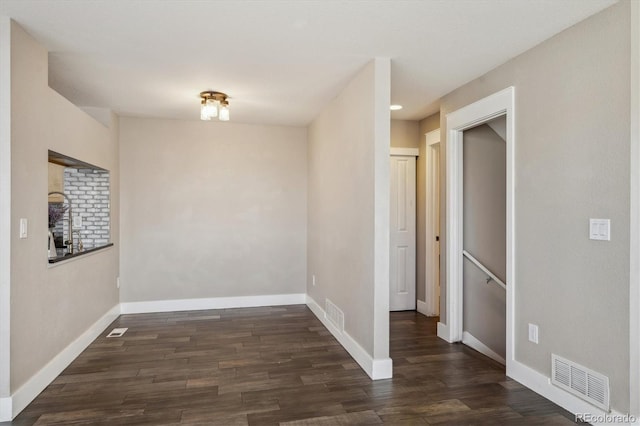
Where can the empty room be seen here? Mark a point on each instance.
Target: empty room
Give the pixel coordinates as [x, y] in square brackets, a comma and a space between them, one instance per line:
[319, 212]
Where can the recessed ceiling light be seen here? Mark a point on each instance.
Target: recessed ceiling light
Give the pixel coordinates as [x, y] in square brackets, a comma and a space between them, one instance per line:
[395, 107]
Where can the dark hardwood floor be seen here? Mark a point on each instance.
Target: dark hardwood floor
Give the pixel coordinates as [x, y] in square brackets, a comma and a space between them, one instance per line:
[278, 365]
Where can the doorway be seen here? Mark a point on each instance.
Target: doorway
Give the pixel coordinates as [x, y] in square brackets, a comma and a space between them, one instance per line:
[473, 115]
[402, 250]
[484, 238]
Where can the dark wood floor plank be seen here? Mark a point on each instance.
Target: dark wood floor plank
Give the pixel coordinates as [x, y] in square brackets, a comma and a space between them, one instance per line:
[278, 366]
[358, 418]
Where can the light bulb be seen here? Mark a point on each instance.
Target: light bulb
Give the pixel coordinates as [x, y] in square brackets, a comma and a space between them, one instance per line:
[211, 107]
[203, 111]
[224, 112]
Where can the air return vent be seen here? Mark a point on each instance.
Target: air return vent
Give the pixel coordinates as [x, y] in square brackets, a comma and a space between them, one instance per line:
[334, 315]
[117, 332]
[587, 384]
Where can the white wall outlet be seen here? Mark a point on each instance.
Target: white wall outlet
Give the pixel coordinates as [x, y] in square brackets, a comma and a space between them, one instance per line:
[118, 282]
[533, 333]
[77, 222]
[24, 228]
[313, 280]
[600, 229]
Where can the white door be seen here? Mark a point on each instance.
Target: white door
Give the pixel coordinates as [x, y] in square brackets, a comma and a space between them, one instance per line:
[402, 256]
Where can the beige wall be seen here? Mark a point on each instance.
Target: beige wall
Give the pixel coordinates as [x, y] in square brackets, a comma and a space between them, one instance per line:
[425, 126]
[5, 210]
[428, 124]
[485, 235]
[211, 209]
[405, 133]
[348, 219]
[571, 164]
[51, 306]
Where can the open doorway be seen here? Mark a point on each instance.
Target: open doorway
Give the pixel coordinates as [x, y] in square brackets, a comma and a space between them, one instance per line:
[473, 115]
[484, 238]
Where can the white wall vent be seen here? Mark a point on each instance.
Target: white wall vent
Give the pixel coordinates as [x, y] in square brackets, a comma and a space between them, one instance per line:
[584, 383]
[334, 315]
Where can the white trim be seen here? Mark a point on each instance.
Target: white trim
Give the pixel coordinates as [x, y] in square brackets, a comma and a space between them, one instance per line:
[432, 210]
[500, 103]
[376, 368]
[541, 384]
[454, 245]
[432, 137]
[443, 332]
[212, 303]
[381, 368]
[5, 409]
[36, 384]
[469, 340]
[634, 230]
[423, 308]
[5, 218]
[407, 152]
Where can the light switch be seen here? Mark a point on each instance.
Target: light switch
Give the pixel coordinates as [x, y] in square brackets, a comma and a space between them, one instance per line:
[24, 228]
[600, 229]
[77, 222]
[533, 333]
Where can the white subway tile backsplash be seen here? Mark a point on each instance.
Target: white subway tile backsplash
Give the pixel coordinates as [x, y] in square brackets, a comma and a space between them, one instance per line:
[88, 191]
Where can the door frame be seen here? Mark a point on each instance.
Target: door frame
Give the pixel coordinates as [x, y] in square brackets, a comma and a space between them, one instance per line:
[432, 210]
[634, 231]
[479, 112]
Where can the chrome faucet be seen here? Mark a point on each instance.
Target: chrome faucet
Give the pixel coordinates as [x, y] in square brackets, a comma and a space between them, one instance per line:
[70, 219]
[80, 244]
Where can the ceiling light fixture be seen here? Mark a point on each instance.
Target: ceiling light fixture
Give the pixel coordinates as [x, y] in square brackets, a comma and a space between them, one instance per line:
[214, 104]
[395, 107]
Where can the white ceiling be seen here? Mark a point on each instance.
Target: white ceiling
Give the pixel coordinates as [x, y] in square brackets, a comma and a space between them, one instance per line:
[279, 61]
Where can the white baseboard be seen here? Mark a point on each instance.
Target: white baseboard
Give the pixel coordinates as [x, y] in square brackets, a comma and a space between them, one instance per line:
[5, 409]
[212, 303]
[36, 384]
[541, 384]
[423, 308]
[381, 368]
[469, 340]
[443, 332]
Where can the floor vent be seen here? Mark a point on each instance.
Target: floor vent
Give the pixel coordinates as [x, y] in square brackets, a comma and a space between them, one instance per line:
[117, 332]
[584, 383]
[334, 315]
